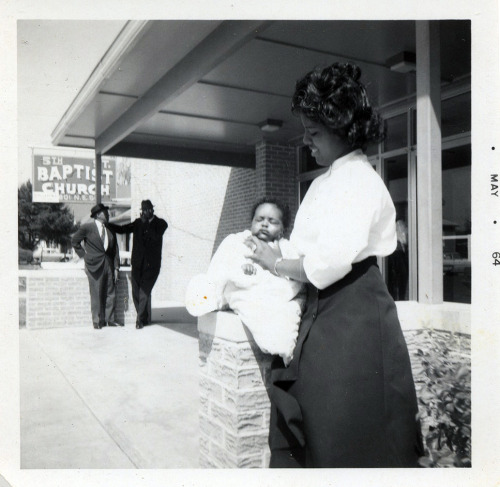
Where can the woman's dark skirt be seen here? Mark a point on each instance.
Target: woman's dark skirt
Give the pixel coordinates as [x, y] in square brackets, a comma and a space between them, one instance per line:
[347, 399]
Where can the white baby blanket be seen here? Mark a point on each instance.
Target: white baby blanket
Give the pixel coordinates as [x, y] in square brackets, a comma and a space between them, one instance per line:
[270, 306]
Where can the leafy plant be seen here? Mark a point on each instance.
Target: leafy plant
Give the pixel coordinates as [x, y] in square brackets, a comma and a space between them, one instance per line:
[445, 403]
[25, 256]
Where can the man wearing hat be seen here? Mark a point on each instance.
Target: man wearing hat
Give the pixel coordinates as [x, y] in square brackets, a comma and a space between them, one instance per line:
[102, 263]
[147, 244]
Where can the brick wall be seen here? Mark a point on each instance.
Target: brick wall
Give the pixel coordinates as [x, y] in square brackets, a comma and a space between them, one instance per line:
[61, 298]
[238, 201]
[276, 174]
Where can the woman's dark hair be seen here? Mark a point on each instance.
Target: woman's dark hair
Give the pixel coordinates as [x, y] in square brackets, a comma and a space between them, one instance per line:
[335, 97]
[285, 210]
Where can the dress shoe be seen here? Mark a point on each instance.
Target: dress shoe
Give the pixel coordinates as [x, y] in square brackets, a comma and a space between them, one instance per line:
[114, 323]
[97, 326]
[139, 325]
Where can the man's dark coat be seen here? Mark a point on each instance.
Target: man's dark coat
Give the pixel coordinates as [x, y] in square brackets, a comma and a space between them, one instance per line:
[147, 247]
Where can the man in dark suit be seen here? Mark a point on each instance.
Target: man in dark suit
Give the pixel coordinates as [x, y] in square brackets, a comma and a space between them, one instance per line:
[102, 263]
[147, 244]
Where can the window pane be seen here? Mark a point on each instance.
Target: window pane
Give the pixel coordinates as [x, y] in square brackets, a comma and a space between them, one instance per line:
[372, 150]
[396, 137]
[307, 161]
[303, 187]
[457, 224]
[413, 140]
[456, 115]
[397, 270]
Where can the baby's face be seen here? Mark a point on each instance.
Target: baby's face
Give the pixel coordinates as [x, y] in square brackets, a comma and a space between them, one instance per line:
[266, 223]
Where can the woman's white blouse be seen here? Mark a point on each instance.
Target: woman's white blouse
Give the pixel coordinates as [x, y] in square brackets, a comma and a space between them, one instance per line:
[346, 216]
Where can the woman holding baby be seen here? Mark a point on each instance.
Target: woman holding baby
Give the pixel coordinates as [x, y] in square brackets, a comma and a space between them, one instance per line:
[347, 399]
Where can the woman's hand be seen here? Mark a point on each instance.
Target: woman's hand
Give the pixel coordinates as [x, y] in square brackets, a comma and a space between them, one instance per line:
[263, 254]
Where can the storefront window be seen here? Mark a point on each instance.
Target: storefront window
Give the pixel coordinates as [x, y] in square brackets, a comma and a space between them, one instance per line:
[397, 264]
[456, 115]
[304, 186]
[306, 161]
[396, 161]
[372, 150]
[308, 170]
[397, 132]
[457, 224]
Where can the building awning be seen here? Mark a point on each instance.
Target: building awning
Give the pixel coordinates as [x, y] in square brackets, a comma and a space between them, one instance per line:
[121, 218]
[204, 90]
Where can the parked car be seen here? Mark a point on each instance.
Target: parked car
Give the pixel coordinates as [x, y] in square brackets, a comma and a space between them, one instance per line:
[50, 255]
[454, 263]
[125, 257]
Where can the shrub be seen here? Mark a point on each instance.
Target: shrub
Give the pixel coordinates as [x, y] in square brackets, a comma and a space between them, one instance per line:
[445, 403]
[25, 256]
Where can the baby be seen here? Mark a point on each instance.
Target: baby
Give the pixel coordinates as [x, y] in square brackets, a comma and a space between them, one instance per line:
[270, 306]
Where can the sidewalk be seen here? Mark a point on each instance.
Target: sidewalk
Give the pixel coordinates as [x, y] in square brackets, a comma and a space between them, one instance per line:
[110, 398]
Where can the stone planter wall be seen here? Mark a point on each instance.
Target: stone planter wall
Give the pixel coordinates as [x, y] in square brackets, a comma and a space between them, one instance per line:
[234, 374]
[234, 404]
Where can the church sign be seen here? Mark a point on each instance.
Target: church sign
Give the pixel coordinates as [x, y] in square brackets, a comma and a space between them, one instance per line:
[59, 179]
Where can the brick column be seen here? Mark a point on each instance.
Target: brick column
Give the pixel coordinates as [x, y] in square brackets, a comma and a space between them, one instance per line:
[238, 202]
[276, 173]
[234, 373]
[235, 408]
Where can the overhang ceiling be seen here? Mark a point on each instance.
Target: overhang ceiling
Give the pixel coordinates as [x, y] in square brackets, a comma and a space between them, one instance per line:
[197, 91]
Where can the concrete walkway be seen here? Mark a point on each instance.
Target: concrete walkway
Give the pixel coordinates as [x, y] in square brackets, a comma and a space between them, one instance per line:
[109, 398]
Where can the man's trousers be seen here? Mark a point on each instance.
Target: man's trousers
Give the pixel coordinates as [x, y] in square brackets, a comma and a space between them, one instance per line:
[102, 293]
[143, 281]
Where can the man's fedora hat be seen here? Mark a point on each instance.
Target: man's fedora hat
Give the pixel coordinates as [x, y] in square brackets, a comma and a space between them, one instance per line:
[97, 209]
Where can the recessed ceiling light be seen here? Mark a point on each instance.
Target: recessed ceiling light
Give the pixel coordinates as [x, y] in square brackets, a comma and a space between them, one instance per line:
[270, 125]
[403, 62]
